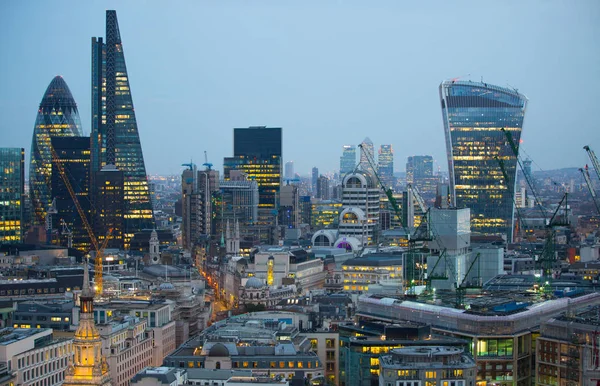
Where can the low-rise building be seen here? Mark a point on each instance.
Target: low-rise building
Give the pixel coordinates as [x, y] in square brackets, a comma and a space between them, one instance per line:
[372, 268]
[32, 357]
[55, 314]
[427, 365]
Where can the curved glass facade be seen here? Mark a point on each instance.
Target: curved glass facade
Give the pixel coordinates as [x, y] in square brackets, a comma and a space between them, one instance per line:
[57, 117]
[474, 115]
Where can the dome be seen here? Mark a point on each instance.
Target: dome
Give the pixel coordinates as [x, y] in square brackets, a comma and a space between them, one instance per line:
[166, 286]
[218, 350]
[254, 282]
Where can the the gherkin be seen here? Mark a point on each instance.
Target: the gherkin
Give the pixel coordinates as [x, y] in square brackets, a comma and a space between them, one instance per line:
[57, 117]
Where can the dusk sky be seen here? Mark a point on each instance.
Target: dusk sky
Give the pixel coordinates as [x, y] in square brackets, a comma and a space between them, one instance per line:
[329, 73]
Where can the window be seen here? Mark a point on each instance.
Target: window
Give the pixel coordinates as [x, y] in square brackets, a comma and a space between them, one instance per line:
[430, 375]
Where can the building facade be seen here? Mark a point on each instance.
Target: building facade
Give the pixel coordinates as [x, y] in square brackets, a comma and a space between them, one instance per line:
[360, 202]
[57, 116]
[476, 117]
[347, 160]
[385, 165]
[12, 195]
[74, 155]
[115, 135]
[367, 148]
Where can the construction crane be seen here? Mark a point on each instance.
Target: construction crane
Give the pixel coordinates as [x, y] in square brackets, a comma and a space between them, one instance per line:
[99, 248]
[66, 231]
[51, 212]
[461, 289]
[588, 181]
[206, 163]
[594, 160]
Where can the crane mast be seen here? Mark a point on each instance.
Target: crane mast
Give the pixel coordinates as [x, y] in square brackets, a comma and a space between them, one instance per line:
[588, 181]
[594, 160]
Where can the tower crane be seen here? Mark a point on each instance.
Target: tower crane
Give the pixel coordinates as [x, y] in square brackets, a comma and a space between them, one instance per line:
[594, 160]
[99, 248]
[66, 231]
[588, 181]
[206, 163]
[51, 212]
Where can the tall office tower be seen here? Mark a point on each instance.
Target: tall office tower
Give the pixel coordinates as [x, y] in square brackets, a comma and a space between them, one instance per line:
[257, 152]
[108, 196]
[305, 209]
[12, 195]
[474, 114]
[88, 366]
[385, 165]
[289, 170]
[190, 207]
[315, 178]
[367, 146]
[57, 117]
[115, 138]
[208, 185]
[322, 188]
[289, 210]
[360, 202]
[419, 173]
[74, 155]
[347, 160]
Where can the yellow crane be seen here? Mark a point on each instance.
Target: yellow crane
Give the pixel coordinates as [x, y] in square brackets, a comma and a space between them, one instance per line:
[99, 248]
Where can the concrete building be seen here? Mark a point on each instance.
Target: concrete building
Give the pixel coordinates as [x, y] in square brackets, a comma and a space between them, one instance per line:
[423, 365]
[326, 344]
[290, 265]
[373, 268]
[32, 357]
[497, 327]
[360, 206]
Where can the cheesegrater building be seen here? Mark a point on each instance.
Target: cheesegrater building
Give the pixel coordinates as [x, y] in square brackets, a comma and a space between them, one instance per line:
[115, 138]
[474, 115]
[57, 117]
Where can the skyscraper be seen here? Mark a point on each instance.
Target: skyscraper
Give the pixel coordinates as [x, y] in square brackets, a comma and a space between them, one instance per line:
[74, 156]
[347, 160]
[385, 165]
[115, 137]
[12, 195]
[474, 115]
[367, 146]
[289, 170]
[257, 152]
[419, 173]
[315, 179]
[57, 117]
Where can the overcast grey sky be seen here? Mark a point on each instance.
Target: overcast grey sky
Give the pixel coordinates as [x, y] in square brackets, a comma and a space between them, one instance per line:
[329, 72]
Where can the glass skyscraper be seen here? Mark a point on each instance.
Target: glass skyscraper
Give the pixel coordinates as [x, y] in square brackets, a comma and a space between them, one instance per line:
[367, 146]
[474, 115]
[12, 195]
[385, 165]
[115, 137]
[57, 117]
[347, 160]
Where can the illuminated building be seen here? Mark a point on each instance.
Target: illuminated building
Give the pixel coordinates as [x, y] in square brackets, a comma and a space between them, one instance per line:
[385, 165]
[427, 365]
[109, 200]
[360, 201]
[57, 117]
[239, 203]
[12, 195]
[347, 160]
[419, 173]
[115, 137]
[373, 268]
[474, 115]
[88, 366]
[74, 156]
[367, 146]
[325, 214]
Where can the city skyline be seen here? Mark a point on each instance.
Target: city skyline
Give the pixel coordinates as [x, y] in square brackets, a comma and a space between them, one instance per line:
[347, 81]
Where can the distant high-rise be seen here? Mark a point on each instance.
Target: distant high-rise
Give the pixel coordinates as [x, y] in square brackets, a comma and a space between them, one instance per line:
[74, 156]
[322, 188]
[12, 195]
[57, 117]
[347, 160]
[367, 146]
[257, 152]
[315, 178]
[474, 115]
[115, 137]
[385, 165]
[289, 170]
[419, 173]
